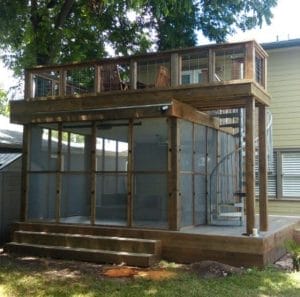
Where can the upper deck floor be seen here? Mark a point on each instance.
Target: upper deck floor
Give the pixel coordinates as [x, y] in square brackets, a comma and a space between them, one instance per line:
[206, 77]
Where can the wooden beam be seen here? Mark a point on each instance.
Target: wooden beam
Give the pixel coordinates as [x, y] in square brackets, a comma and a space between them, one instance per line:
[250, 170]
[25, 167]
[174, 209]
[189, 113]
[206, 97]
[263, 174]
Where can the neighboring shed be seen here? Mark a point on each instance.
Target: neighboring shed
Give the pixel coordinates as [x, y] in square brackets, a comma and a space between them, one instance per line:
[10, 175]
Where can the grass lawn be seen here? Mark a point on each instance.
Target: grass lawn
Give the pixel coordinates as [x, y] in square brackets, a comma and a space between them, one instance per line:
[44, 279]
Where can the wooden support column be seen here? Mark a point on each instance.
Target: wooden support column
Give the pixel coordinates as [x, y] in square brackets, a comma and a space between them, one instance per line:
[174, 209]
[130, 175]
[25, 167]
[175, 69]
[58, 175]
[93, 174]
[263, 174]
[250, 160]
[133, 74]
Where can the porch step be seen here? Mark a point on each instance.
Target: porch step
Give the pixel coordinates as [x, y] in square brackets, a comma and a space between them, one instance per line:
[81, 254]
[94, 248]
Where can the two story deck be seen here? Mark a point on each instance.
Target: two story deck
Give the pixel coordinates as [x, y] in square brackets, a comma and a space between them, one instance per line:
[149, 146]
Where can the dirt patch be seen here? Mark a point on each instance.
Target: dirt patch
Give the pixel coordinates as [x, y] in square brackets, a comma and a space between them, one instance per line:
[117, 272]
[130, 272]
[157, 275]
[213, 269]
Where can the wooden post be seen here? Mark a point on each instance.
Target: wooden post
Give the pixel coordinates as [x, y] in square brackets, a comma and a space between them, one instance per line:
[174, 209]
[250, 61]
[263, 174]
[211, 65]
[25, 165]
[250, 159]
[93, 174]
[97, 82]
[58, 175]
[175, 69]
[62, 83]
[130, 175]
[265, 73]
[133, 74]
[28, 88]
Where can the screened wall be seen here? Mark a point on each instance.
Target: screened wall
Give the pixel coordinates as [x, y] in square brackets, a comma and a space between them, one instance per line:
[117, 172]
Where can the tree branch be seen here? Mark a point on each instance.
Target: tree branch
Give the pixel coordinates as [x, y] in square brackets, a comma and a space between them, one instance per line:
[65, 10]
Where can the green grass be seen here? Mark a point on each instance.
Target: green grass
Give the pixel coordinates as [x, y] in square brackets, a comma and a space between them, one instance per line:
[17, 280]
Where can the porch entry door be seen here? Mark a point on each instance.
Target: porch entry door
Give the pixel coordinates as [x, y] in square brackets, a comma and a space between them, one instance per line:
[150, 173]
[111, 173]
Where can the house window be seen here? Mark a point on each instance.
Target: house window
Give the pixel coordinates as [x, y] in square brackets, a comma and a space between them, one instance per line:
[291, 174]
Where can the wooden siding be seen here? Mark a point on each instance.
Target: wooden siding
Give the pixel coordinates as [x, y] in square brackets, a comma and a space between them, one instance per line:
[284, 87]
[283, 207]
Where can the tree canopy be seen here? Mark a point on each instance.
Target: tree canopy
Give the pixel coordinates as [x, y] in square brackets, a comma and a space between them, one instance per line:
[37, 32]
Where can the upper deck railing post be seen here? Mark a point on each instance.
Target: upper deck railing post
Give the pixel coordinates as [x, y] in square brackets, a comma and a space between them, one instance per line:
[250, 61]
[133, 74]
[97, 83]
[175, 69]
[28, 88]
[62, 82]
[211, 65]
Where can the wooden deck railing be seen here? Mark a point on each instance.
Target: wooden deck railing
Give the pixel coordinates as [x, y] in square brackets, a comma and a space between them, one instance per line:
[200, 65]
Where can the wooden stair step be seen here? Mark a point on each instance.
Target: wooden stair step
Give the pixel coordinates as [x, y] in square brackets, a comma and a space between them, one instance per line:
[112, 243]
[82, 254]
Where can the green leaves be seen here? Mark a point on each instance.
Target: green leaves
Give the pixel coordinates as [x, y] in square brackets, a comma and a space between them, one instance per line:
[59, 31]
[4, 106]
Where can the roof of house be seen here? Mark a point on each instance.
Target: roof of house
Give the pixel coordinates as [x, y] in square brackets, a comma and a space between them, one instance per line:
[11, 138]
[11, 135]
[281, 44]
[8, 158]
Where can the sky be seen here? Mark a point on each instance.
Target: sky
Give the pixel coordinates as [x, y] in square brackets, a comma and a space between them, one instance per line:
[285, 25]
